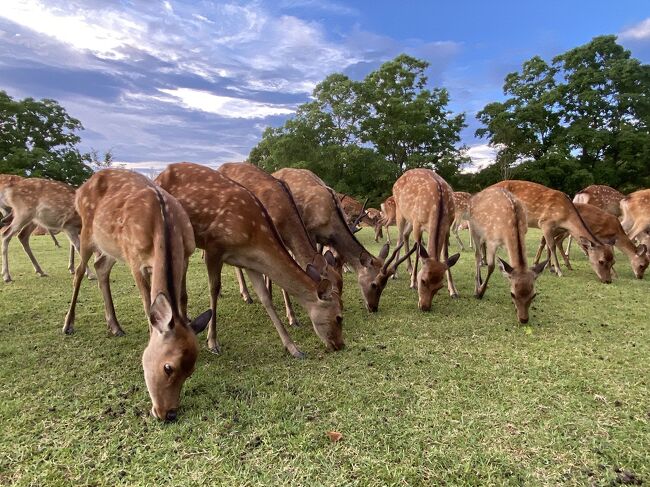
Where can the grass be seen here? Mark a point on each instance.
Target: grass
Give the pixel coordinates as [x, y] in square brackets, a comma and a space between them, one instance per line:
[462, 395]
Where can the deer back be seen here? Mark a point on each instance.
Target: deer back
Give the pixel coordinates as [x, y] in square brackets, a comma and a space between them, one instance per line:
[600, 196]
[461, 204]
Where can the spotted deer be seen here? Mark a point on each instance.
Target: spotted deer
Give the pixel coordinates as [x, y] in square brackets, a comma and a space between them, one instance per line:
[279, 203]
[550, 210]
[388, 218]
[424, 203]
[636, 216]
[498, 219]
[126, 217]
[609, 230]
[233, 227]
[603, 197]
[32, 202]
[325, 222]
[461, 214]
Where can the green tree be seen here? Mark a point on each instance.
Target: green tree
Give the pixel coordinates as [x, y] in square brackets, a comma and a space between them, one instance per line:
[39, 139]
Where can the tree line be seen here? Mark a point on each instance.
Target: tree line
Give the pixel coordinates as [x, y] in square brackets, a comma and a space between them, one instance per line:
[581, 118]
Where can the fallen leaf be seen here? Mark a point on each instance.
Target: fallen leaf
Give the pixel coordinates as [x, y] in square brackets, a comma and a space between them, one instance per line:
[334, 436]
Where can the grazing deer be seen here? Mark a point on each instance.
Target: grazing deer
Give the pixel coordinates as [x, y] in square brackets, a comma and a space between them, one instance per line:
[34, 201]
[326, 224]
[278, 201]
[424, 203]
[498, 219]
[461, 214]
[388, 218]
[608, 229]
[374, 221]
[233, 227]
[636, 216]
[127, 217]
[603, 197]
[550, 210]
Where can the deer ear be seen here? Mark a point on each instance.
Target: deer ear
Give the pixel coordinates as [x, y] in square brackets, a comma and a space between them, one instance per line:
[422, 252]
[365, 259]
[586, 243]
[641, 249]
[451, 261]
[329, 257]
[319, 263]
[160, 314]
[313, 273]
[199, 323]
[383, 253]
[506, 269]
[539, 268]
[324, 290]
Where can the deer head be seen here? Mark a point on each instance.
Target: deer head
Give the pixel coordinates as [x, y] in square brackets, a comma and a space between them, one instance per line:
[522, 286]
[601, 258]
[430, 276]
[170, 356]
[325, 312]
[640, 261]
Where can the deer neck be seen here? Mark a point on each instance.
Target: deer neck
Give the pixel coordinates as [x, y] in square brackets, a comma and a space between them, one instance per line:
[300, 245]
[577, 227]
[624, 243]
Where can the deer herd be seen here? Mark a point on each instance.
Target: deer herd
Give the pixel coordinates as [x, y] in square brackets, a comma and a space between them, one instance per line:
[291, 229]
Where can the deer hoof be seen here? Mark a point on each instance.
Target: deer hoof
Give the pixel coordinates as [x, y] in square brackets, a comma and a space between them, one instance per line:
[247, 299]
[42, 274]
[298, 354]
[295, 323]
[216, 350]
[117, 332]
[7, 279]
[455, 296]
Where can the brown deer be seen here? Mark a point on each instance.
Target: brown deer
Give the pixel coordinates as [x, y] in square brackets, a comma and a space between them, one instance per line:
[424, 203]
[278, 201]
[606, 198]
[498, 219]
[461, 214]
[608, 229]
[325, 221]
[233, 227]
[636, 216]
[127, 217]
[388, 218]
[34, 201]
[550, 210]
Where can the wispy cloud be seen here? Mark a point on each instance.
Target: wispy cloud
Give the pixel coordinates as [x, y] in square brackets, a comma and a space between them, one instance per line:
[482, 156]
[640, 31]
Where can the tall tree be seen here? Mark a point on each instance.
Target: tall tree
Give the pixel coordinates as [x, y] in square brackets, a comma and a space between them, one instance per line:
[38, 138]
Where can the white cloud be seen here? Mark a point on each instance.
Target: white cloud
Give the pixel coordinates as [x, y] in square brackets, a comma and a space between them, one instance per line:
[225, 106]
[482, 156]
[638, 31]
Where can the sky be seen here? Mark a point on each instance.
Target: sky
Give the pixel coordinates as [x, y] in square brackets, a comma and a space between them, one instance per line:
[166, 81]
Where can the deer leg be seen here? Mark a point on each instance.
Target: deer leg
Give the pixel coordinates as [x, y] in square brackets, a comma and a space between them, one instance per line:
[550, 243]
[73, 236]
[15, 227]
[56, 242]
[23, 238]
[84, 254]
[568, 246]
[269, 285]
[540, 249]
[491, 252]
[291, 315]
[454, 229]
[478, 280]
[141, 278]
[451, 287]
[388, 236]
[243, 289]
[471, 236]
[214, 263]
[483, 254]
[257, 280]
[103, 266]
[565, 255]
[184, 292]
[71, 259]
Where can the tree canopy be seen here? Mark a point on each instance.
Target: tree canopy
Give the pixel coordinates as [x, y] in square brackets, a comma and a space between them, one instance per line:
[581, 120]
[359, 136]
[39, 139]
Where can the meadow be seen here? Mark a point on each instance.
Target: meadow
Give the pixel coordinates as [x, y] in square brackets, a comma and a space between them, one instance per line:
[462, 395]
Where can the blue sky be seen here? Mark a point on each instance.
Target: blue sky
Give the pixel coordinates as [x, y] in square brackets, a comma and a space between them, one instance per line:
[164, 81]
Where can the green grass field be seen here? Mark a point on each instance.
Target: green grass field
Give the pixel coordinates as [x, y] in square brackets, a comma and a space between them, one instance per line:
[462, 395]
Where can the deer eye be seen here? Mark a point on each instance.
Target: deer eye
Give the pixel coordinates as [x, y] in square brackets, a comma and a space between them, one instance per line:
[168, 369]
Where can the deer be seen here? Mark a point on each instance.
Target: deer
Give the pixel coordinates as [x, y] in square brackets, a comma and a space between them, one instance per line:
[550, 210]
[388, 215]
[498, 219]
[604, 197]
[126, 217]
[636, 216]
[461, 214]
[609, 230]
[424, 203]
[32, 202]
[232, 226]
[276, 197]
[325, 222]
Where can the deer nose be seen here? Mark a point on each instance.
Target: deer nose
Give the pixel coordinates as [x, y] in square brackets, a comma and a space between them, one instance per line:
[171, 415]
[523, 321]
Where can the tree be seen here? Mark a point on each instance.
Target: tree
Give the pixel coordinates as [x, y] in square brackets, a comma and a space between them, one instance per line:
[38, 138]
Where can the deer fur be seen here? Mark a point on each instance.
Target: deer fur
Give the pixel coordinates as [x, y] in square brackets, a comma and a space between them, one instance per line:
[636, 216]
[604, 197]
[461, 214]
